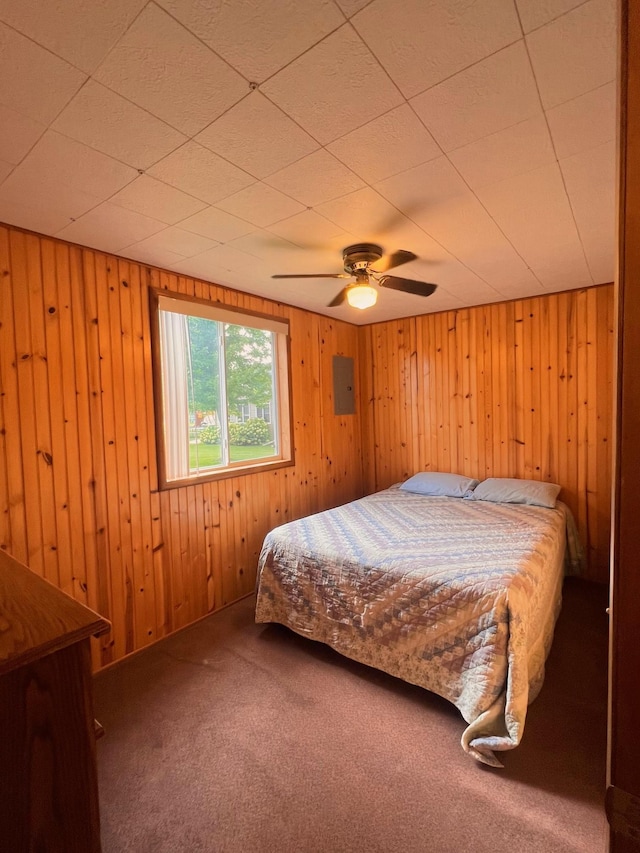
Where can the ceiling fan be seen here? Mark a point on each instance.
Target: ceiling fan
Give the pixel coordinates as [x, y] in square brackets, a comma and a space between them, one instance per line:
[366, 262]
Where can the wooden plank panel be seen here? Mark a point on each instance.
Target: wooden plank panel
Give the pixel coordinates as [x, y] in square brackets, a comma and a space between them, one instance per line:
[14, 538]
[59, 463]
[26, 421]
[84, 285]
[435, 392]
[75, 395]
[518, 389]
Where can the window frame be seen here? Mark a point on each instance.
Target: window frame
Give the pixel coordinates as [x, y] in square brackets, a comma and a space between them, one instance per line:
[282, 377]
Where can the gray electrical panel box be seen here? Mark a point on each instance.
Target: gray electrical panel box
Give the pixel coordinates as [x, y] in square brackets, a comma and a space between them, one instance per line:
[344, 398]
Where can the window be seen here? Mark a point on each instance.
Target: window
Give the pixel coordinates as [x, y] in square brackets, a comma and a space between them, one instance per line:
[221, 379]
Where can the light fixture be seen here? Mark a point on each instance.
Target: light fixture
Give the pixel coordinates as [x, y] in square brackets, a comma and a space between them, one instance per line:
[361, 295]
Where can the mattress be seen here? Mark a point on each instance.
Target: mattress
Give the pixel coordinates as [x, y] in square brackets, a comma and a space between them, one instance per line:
[459, 597]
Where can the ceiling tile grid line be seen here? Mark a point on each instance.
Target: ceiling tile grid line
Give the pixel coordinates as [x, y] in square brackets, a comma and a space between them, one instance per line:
[454, 166]
[575, 4]
[43, 47]
[564, 183]
[24, 55]
[165, 11]
[372, 123]
[255, 37]
[423, 43]
[160, 64]
[65, 57]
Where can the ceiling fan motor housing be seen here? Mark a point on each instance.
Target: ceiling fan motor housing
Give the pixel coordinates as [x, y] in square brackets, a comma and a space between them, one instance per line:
[358, 257]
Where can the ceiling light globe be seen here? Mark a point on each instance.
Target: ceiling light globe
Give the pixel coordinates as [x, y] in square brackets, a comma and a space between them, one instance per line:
[362, 296]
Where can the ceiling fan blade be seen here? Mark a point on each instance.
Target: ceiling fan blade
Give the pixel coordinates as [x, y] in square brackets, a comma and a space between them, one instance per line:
[407, 285]
[388, 262]
[339, 299]
[315, 275]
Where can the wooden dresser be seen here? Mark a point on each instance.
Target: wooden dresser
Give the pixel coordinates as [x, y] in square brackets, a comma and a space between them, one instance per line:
[48, 785]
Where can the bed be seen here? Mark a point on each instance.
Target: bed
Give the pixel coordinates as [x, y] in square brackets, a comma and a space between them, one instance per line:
[457, 596]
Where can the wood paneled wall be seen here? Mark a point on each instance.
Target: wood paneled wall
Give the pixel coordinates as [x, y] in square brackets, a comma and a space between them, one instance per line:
[78, 480]
[517, 389]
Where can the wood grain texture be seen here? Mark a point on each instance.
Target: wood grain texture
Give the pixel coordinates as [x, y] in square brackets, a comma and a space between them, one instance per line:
[36, 618]
[78, 472]
[624, 685]
[514, 389]
[517, 389]
[48, 788]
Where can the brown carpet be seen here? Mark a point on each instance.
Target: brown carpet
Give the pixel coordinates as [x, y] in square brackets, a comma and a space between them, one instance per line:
[232, 737]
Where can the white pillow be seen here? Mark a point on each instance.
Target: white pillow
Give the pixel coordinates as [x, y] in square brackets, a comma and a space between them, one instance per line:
[516, 491]
[439, 485]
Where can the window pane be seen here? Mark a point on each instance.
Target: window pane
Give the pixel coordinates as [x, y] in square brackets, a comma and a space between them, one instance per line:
[206, 429]
[250, 386]
[219, 389]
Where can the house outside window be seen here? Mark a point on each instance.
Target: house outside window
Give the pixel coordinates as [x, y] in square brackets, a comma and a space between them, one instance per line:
[217, 372]
[264, 412]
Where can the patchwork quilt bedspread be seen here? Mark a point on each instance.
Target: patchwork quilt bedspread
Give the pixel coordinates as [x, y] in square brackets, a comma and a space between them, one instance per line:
[459, 597]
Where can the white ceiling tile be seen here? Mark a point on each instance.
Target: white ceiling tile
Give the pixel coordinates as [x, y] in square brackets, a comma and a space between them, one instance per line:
[165, 69]
[277, 255]
[366, 215]
[74, 163]
[536, 13]
[18, 133]
[467, 231]
[333, 88]
[421, 42]
[216, 225]
[591, 175]
[519, 285]
[258, 38]
[274, 256]
[110, 228]
[491, 95]
[257, 156]
[215, 264]
[40, 216]
[257, 136]
[260, 204]
[350, 7]
[310, 230]
[590, 178]
[419, 189]
[389, 144]
[95, 27]
[47, 195]
[479, 293]
[316, 178]
[177, 241]
[562, 268]
[575, 53]
[152, 198]
[533, 211]
[34, 81]
[520, 148]
[603, 258]
[103, 120]
[584, 122]
[157, 257]
[201, 173]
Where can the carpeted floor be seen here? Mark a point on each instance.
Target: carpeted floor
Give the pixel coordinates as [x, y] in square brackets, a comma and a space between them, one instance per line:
[232, 737]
